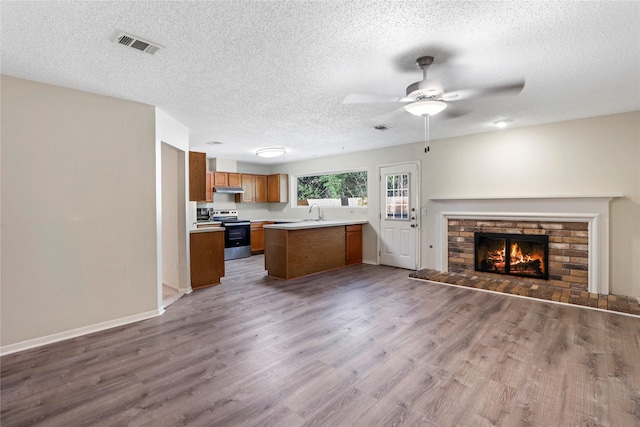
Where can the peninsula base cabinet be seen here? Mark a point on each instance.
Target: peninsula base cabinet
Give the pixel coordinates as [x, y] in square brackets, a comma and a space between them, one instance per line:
[354, 244]
[207, 258]
[292, 253]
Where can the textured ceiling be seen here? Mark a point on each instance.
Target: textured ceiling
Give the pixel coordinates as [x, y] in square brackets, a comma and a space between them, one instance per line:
[259, 74]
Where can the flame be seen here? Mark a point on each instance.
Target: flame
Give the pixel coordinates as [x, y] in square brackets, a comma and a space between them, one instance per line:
[517, 257]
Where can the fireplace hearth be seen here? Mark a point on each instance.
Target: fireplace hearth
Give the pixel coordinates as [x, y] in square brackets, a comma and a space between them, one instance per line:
[512, 254]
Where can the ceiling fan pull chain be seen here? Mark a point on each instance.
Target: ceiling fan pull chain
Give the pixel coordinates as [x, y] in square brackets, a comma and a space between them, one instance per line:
[426, 133]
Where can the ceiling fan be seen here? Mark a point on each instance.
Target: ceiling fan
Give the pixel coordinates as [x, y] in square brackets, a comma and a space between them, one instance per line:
[428, 97]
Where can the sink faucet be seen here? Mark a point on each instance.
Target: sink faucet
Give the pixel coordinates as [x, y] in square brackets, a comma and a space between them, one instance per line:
[319, 213]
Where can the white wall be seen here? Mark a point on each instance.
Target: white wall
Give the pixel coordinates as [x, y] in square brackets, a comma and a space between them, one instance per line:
[78, 193]
[595, 156]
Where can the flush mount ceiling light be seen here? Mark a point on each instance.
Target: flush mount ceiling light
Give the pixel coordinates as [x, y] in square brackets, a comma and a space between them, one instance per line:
[425, 107]
[502, 123]
[271, 152]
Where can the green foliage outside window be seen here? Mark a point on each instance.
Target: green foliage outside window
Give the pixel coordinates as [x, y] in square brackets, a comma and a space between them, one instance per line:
[334, 187]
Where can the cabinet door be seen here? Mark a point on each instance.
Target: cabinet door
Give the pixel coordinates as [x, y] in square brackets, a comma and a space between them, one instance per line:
[207, 258]
[257, 237]
[197, 176]
[249, 187]
[234, 179]
[277, 188]
[354, 244]
[209, 187]
[261, 188]
[220, 179]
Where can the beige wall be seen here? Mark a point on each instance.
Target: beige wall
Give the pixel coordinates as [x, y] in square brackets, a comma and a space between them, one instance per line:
[588, 157]
[170, 223]
[78, 210]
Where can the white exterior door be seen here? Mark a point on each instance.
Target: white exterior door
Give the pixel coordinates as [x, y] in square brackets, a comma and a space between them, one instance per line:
[399, 219]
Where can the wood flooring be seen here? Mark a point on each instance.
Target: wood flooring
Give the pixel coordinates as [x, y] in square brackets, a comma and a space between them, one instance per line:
[360, 346]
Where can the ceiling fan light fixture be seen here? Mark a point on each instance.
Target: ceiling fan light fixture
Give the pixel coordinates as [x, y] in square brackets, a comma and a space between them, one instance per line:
[271, 152]
[426, 107]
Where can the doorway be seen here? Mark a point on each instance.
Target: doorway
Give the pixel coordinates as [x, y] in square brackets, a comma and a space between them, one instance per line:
[173, 224]
[399, 215]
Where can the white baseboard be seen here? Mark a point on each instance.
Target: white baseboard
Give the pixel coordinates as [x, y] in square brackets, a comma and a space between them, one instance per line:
[61, 336]
[368, 261]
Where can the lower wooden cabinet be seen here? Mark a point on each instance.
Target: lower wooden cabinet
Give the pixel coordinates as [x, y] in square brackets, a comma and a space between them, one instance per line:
[257, 236]
[207, 258]
[353, 244]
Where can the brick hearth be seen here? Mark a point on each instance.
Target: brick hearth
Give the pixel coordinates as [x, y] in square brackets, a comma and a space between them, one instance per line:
[568, 249]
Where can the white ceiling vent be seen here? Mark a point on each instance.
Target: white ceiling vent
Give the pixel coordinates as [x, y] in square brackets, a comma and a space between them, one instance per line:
[137, 43]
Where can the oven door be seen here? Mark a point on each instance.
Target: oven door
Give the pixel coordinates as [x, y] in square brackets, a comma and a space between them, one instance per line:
[237, 240]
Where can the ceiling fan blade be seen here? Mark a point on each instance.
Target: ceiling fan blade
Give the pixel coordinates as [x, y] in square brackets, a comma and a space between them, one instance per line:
[390, 116]
[366, 98]
[456, 95]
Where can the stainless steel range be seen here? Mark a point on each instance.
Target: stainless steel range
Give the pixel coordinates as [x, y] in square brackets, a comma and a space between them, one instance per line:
[237, 234]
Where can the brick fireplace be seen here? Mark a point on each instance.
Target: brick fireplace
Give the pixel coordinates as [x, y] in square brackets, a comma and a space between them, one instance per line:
[577, 229]
[568, 250]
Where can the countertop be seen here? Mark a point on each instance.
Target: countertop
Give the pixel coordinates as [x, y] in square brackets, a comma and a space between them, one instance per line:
[300, 225]
[206, 229]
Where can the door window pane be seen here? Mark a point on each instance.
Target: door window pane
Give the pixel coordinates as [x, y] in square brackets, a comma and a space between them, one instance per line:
[397, 203]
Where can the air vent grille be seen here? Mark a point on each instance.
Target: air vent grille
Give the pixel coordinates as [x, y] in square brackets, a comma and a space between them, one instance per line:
[137, 43]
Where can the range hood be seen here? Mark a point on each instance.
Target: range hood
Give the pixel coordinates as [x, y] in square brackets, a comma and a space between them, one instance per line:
[228, 190]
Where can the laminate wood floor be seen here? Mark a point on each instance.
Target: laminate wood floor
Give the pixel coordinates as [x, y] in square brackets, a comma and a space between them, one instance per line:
[360, 346]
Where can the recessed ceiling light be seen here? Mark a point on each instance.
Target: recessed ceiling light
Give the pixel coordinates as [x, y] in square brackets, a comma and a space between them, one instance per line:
[502, 123]
[271, 152]
[213, 143]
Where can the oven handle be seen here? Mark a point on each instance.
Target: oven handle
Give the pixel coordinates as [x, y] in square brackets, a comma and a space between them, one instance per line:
[236, 224]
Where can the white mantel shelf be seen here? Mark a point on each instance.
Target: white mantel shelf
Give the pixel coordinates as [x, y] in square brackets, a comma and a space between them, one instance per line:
[468, 198]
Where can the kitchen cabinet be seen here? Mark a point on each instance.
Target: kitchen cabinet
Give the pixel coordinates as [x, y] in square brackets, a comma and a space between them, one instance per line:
[353, 244]
[261, 189]
[209, 187]
[249, 186]
[207, 257]
[234, 179]
[278, 188]
[220, 179]
[226, 179]
[257, 236]
[197, 176]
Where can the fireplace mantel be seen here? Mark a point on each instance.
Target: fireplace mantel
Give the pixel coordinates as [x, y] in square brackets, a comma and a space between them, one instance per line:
[593, 210]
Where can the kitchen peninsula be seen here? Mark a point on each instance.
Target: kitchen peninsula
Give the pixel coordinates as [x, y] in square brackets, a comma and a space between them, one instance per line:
[302, 248]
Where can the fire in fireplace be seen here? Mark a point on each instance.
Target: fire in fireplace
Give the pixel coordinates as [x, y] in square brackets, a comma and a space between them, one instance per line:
[512, 254]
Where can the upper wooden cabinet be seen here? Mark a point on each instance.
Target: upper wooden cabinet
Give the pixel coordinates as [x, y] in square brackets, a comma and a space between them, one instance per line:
[261, 189]
[220, 179]
[257, 188]
[249, 186]
[234, 179]
[209, 187]
[197, 176]
[278, 188]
